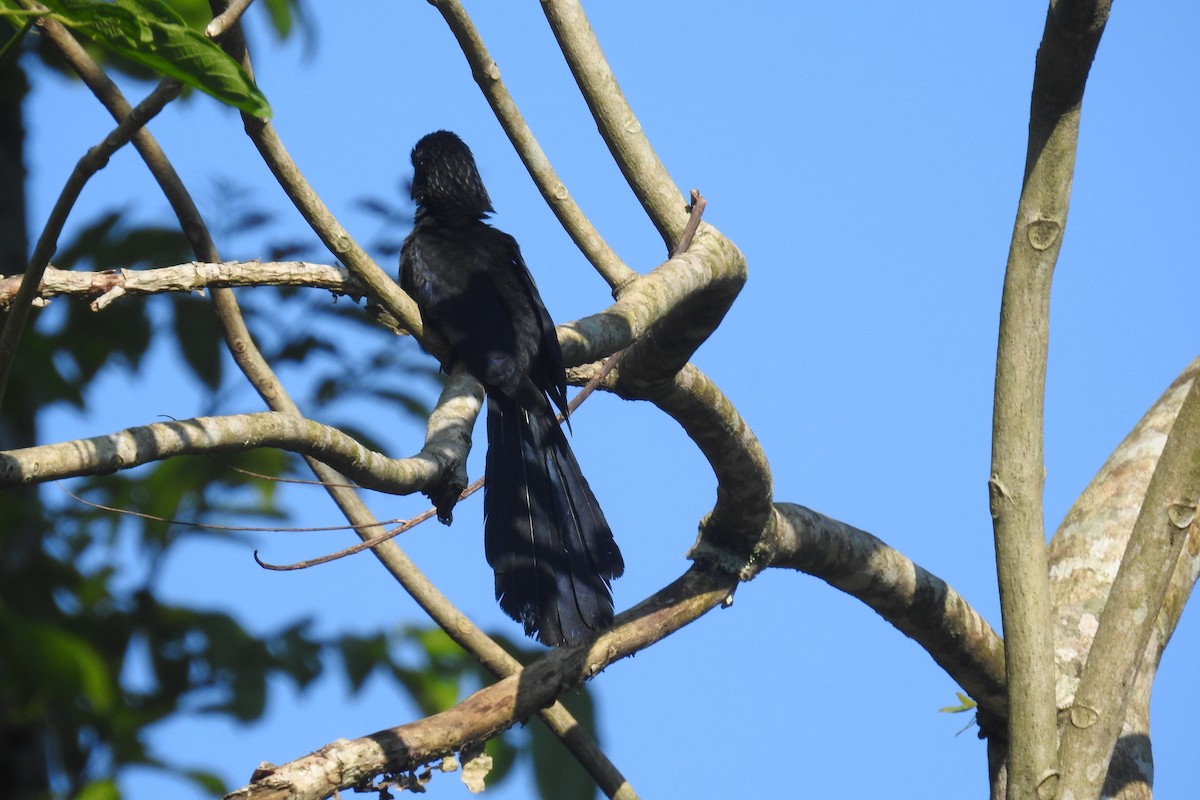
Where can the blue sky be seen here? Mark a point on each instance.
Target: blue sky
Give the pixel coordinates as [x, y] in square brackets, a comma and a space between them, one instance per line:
[867, 159]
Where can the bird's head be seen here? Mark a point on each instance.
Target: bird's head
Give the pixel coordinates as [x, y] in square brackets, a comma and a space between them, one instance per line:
[445, 178]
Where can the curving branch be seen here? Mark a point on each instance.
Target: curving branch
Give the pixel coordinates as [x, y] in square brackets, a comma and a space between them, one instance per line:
[554, 191]
[433, 602]
[628, 143]
[1072, 34]
[919, 604]
[449, 435]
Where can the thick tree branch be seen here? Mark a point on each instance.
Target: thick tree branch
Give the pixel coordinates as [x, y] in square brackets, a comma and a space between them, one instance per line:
[628, 143]
[1167, 516]
[1084, 555]
[919, 604]
[346, 764]
[733, 535]
[1087, 548]
[100, 455]
[1069, 43]
[709, 274]
[554, 191]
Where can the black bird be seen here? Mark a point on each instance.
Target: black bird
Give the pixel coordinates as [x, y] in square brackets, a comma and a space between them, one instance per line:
[544, 533]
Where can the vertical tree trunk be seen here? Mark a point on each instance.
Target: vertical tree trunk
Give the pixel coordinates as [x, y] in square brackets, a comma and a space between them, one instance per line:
[23, 765]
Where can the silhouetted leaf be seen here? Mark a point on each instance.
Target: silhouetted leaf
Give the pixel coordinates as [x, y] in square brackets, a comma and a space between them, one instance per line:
[361, 656]
[299, 349]
[200, 340]
[207, 782]
[328, 389]
[413, 405]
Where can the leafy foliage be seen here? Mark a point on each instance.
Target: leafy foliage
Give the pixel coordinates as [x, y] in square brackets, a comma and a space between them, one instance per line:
[153, 34]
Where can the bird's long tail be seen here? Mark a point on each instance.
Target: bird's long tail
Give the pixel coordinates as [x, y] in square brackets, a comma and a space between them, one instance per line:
[545, 535]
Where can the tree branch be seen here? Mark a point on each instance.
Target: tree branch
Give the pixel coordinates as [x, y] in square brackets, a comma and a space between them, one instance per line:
[554, 191]
[456, 624]
[919, 604]
[346, 764]
[1069, 43]
[449, 434]
[1084, 555]
[1167, 515]
[1092, 538]
[630, 148]
[196, 276]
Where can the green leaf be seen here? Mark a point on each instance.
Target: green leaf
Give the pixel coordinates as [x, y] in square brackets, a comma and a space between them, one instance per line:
[99, 790]
[361, 656]
[57, 661]
[281, 16]
[151, 33]
[964, 704]
[558, 777]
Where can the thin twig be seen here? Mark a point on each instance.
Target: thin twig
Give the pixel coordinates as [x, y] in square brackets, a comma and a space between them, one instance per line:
[366, 544]
[695, 212]
[208, 525]
[227, 18]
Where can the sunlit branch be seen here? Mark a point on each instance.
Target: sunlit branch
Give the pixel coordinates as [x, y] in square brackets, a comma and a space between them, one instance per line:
[105, 287]
[1167, 517]
[554, 191]
[1069, 42]
[100, 455]
[618, 125]
[226, 19]
[1096, 531]
[918, 603]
